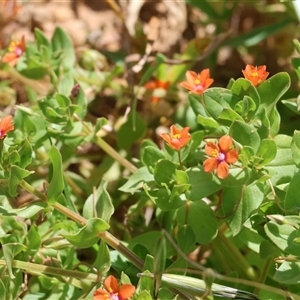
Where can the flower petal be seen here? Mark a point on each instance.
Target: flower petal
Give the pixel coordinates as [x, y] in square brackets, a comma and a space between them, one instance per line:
[126, 291]
[175, 144]
[232, 156]
[191, 76]
[10, 58]
[174, 130]
[111, 284]
[222, 170]
[166, 137]
[208, 83]
[185, 132]
[210, 164]
[225, 143]
[204, 75]
[101, 294]
[23, 44]
[6, 124]
[187, 85]
[211, 148]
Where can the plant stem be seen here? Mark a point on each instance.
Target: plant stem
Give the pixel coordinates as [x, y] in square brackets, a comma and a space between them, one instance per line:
[37, 268]
[109, 150]
[263, 274]
[179, 159]
[114, 154]
[237, 257]
[106, 236]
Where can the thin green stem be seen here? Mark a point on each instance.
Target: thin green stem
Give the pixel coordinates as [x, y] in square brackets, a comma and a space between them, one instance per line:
[42, 269]
[109, 150]
[179, 159]
[106, 236]
[263, 274]
[114, 154]
[237, 257]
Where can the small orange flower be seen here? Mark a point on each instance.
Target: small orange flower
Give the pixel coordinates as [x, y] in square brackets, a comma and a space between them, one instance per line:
[15, 51]
[221, 156]
[156, 84]
[256, 75]
[197, 83]
[6, 125]
[113, 291]
[177, 138]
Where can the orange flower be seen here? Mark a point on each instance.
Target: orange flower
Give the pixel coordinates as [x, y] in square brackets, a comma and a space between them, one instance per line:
[221, 156]
[6, 125]
[177, 138]
[156, 84]
[197, 83]
[256, 75]
[15, 51]
[113, 291]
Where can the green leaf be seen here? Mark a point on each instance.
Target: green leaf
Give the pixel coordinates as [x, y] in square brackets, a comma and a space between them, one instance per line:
[62, 43]
[238, 203]
[291, 201]
[244, 90]
[211, 102]
[102, 261]
[257, 35]
[273, 89]
[56, 184]
[136, 180]
[186, 238]
[207, 122]
[79, 98]
[10, 250]
[206, 227]
[25, 152]
[66, 83]
[288, 273]
[197, 106]
[230, 115]
[267, 150]
[295, 146]
[149, 240]
[41, 40]
[150, 156]
[282, 167]
[267, 249]
[27, 211]
[246, 107]
[201, 184]
[159, 261]
[181, 177]
[99, 204]
[164, 198]
[292, 104]
[283, 236]
[15, 176]
[131, 131]
[2, 291]
[164, 172]
[88, 235]
[245, 134]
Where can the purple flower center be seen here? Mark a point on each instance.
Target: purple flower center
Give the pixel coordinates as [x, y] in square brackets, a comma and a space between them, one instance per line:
[18, 51]
[221, 156]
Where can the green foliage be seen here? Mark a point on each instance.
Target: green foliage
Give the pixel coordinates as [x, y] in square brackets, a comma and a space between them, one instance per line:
[86, 193]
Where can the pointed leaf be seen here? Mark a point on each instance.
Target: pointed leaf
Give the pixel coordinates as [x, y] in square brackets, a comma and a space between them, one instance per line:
[56, 184]
[88, 235]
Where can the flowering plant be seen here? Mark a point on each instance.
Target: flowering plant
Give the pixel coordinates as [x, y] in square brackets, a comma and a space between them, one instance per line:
[104, 197]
